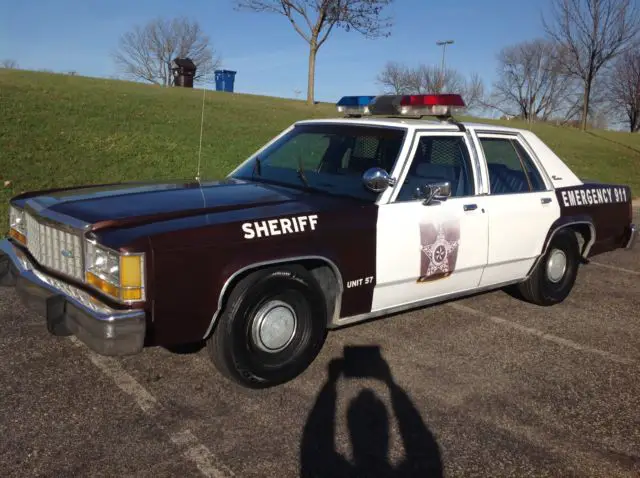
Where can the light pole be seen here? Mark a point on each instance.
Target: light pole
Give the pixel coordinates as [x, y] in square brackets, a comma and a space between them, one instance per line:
[443, 44]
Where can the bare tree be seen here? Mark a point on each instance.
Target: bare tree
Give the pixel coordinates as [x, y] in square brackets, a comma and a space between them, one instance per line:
[473, 92]
[315, 19]
[399, 79]
[624, 88]
[393, 78]
[145, 53]
[9, 64]
[592, 33]
[532, 82]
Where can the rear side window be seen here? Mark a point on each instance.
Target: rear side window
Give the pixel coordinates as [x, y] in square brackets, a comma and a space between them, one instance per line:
[511, 169]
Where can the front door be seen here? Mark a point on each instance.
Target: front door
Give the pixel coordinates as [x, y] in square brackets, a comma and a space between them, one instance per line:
[428, 251]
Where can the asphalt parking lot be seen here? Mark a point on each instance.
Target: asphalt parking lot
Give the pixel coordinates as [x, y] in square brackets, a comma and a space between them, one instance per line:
[484, 386]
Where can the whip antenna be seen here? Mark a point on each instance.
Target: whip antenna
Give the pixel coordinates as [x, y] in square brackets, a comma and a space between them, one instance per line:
[204, 91]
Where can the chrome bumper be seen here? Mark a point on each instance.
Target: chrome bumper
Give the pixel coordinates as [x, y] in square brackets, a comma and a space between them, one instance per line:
[69, 310]
[633, 234]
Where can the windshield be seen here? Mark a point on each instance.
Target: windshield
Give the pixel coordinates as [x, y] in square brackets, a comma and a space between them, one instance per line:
[327, 157]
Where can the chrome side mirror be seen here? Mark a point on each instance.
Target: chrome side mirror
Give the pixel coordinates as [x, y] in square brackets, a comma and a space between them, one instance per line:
[377, 180]
[435, 192]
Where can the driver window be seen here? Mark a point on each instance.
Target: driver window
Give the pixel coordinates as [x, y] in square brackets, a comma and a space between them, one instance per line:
[438, 159]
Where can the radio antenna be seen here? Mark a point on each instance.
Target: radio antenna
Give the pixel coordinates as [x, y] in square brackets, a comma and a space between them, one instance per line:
[204, 91]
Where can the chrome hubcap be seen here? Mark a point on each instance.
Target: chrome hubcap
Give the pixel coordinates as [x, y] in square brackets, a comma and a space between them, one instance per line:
[557, 265]
[274, 326]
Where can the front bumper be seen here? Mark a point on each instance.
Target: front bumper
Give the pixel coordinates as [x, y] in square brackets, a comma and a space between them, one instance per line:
[633, 234]
[69, 310]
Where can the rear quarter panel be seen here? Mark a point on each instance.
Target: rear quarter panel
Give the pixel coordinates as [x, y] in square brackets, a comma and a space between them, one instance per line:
[608, 206]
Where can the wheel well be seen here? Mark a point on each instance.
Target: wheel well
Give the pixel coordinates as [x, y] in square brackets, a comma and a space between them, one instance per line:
[584, 235]
[322, 270]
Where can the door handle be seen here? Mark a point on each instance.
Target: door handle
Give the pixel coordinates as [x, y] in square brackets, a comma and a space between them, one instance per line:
[470, 207]
[545, 200]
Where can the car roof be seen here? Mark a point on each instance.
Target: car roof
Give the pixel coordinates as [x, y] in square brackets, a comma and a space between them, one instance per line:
[407, 123]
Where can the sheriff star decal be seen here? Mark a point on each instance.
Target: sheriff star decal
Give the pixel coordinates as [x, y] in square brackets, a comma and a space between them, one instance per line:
[439, 250]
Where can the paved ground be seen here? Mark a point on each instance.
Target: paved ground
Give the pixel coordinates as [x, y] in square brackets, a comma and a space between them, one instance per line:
[486, 386]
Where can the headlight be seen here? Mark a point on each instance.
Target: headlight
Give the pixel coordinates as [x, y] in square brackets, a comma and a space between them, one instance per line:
[119, 275]
[17, 226]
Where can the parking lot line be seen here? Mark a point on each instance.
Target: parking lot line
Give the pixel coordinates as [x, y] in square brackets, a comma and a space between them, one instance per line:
[543, 335]
[195, 451]
[615, 268]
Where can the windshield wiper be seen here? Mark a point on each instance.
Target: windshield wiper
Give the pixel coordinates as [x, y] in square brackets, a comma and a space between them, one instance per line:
[257, 166]
[301, 172]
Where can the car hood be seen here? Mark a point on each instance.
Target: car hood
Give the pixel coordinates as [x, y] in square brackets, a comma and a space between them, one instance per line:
[132, 203]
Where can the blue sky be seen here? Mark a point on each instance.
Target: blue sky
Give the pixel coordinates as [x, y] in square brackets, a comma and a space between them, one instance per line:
[270, 57]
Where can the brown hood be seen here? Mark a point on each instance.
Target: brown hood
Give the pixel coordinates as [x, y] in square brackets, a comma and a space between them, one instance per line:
[137, 203]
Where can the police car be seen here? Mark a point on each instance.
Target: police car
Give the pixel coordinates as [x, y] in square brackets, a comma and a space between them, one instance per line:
[333, 222]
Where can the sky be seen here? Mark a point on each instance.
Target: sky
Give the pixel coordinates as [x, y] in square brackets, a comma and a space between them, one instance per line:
[269, 56]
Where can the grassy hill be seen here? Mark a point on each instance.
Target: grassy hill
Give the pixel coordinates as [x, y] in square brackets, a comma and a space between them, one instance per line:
[58, 130]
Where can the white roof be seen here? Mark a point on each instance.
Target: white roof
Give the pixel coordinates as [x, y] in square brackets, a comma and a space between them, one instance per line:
[408, 123]
[560, 174]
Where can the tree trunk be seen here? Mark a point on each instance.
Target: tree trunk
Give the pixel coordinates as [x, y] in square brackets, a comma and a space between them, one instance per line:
[585, 103]
[313, 50]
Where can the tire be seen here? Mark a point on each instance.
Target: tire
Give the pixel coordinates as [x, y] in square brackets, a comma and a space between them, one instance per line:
[545, 287]
[235, 347]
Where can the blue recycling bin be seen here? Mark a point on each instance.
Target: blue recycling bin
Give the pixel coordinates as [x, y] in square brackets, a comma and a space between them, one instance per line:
[225, 80]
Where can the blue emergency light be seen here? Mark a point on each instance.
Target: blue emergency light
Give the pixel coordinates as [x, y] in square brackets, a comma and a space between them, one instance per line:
[354, 104]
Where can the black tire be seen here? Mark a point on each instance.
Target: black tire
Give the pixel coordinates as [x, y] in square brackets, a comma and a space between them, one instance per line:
[540, 289]
[234, 347]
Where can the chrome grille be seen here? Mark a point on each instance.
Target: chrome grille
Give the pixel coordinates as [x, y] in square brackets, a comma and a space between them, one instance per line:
[54, 248]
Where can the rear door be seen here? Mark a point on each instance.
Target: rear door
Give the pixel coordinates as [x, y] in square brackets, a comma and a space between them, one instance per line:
[429, 251]
[521, 206]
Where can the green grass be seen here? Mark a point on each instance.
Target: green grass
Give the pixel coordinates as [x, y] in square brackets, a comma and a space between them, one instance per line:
[58, 130]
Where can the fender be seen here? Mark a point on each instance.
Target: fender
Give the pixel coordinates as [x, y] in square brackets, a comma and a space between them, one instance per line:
[562, 223]
[232, 272]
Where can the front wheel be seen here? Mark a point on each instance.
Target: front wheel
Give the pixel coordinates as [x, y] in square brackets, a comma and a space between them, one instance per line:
[553, 278]
[272, 327]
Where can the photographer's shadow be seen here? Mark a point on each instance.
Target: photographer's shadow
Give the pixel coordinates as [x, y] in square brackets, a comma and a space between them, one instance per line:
[368, 422]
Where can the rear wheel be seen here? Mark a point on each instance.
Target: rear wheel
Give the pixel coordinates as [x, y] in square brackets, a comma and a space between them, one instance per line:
[554, 276]
[272, 328]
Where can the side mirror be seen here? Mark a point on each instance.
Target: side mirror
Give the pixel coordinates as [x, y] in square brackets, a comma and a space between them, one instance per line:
[377, 180]
[435, 192]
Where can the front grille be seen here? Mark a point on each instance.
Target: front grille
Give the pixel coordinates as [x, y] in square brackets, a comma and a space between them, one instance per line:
[54, 248]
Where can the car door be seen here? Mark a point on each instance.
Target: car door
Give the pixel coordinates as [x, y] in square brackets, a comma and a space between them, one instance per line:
[429, 251]
[521, 206]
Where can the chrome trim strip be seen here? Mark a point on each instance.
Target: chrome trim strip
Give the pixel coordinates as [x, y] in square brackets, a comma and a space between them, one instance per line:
[585, 252]
[103, 329]
[632, 237]
[257, 265]
[71, 224]
[476, 160]
[418, 304]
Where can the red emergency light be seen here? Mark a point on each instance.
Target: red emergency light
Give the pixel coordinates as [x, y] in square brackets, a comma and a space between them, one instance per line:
[433, 100]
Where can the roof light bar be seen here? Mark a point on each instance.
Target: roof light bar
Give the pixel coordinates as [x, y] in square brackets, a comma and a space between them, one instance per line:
[354, 104]
[405, 105]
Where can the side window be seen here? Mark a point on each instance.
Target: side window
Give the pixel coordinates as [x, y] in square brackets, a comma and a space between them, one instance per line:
[511, 170]
[438, 159]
